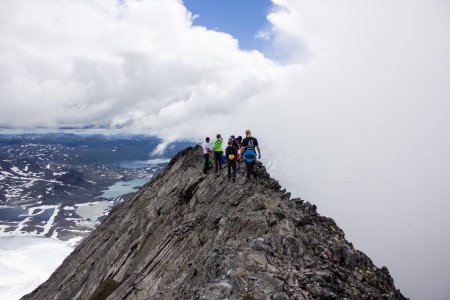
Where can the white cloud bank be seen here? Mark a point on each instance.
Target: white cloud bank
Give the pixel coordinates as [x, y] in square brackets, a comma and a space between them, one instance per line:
[137, 65]
[358, 114]
[26, 262]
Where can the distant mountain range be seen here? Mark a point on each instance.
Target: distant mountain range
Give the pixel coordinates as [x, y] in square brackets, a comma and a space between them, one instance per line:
[45, 176]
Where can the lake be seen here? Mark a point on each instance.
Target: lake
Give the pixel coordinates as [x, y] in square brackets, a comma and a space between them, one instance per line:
[123, 187]
[13, 214]
[90, 212]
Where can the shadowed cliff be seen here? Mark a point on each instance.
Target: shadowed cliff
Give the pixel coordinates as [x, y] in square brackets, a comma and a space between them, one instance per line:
[186, 235]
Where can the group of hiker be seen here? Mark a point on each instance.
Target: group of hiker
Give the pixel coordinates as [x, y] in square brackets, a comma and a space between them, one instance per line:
[237, 149]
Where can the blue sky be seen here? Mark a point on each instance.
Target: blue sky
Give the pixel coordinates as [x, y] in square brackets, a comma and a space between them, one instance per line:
[241, 18]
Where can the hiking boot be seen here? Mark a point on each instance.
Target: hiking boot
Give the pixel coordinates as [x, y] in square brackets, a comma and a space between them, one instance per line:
[234, 179]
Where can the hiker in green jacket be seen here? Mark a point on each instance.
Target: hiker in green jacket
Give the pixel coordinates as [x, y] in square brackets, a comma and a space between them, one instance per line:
[218, 152]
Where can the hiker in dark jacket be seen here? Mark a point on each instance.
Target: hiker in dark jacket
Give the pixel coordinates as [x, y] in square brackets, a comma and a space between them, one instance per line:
[239, 141]
[231, 154]
[233, 140]
[248, 152]
[239, 144]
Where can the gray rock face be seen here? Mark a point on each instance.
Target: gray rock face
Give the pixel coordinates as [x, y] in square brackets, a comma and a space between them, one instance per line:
[186, 235]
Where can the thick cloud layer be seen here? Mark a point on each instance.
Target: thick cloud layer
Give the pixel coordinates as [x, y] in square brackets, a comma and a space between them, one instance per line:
[355, 108]
[137, 65]
[362, 130]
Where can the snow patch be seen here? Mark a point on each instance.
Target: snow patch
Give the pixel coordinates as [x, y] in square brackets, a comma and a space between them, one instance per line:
[18, 171]
[26, 262]
[74, 241]
[59, 173]
[34, 211]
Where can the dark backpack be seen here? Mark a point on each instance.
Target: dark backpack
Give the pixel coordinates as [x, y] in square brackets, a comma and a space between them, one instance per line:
[231, 150]
[249, 155]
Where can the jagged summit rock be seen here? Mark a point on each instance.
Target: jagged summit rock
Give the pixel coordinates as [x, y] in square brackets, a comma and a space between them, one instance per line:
[186, 235]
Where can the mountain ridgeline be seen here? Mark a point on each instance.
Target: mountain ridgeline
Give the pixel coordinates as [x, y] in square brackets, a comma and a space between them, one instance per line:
[186, 235]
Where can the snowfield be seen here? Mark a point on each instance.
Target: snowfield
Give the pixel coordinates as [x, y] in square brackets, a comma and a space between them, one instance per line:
[26, 262]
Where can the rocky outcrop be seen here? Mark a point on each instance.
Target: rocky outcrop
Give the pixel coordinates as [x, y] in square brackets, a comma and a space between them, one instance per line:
[186, 235]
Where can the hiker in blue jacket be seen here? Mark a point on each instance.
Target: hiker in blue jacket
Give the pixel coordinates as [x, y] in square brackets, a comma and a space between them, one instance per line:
[249, 145]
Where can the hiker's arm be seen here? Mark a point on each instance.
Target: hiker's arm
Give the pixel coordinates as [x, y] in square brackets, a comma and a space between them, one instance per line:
[259, 152]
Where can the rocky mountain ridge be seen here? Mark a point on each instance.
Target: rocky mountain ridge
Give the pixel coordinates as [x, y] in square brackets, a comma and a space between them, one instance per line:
[186, 235]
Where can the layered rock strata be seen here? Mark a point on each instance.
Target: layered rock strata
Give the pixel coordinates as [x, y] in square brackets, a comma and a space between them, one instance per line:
[186, 235]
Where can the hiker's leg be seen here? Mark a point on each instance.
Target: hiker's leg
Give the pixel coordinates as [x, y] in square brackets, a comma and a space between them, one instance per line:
[247, 167]
[216, 161]
[250, 169]
[205, 166]
[233, 165]
[229, 169]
